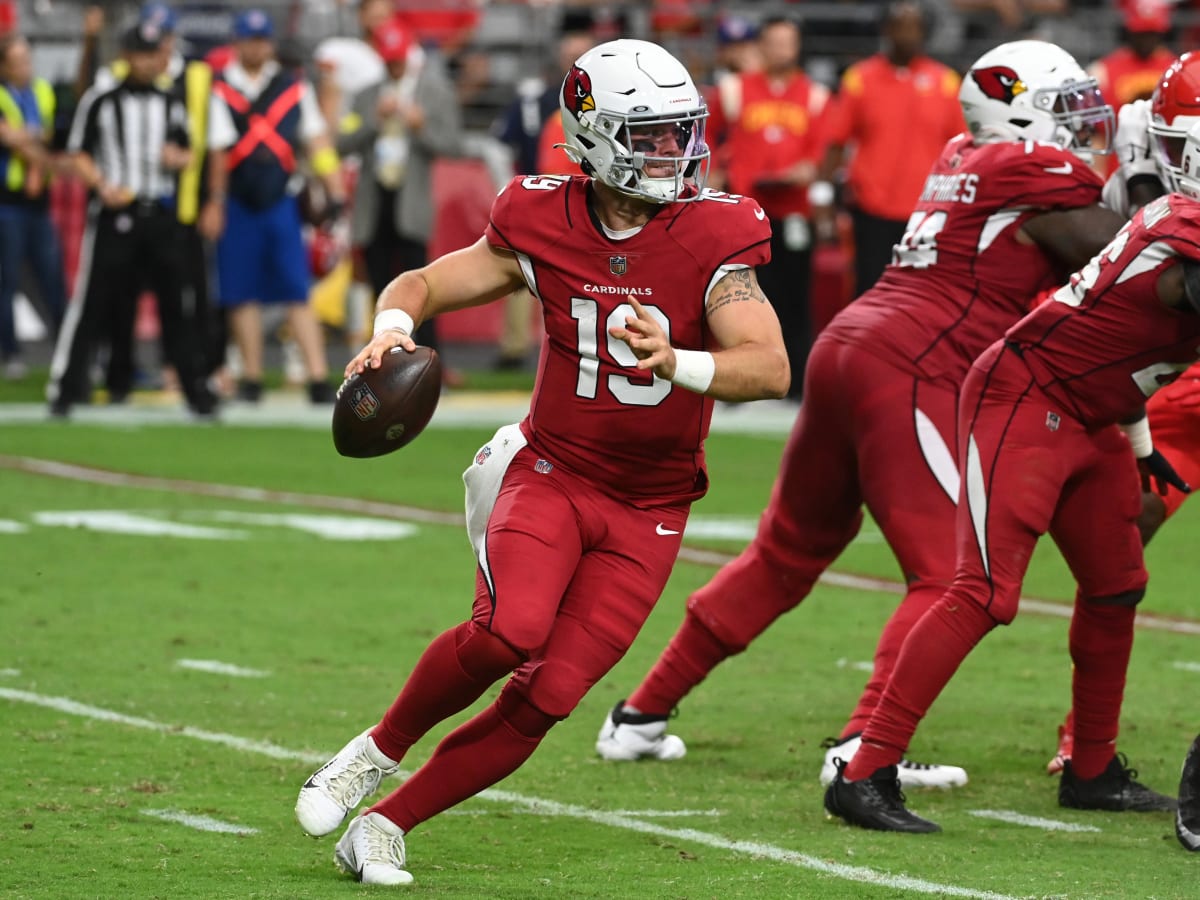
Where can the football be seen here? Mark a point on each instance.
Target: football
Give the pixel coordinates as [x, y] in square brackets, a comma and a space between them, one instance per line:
[381, 410]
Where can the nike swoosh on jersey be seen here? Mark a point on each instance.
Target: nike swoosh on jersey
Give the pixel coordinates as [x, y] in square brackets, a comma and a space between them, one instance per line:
[1064, 169]
[660, 530]
[759, 214]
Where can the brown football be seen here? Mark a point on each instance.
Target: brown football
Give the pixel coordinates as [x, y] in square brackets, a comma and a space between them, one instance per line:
[383, 409]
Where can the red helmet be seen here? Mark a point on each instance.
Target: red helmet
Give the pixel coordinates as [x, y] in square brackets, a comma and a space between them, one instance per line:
[1174, 109]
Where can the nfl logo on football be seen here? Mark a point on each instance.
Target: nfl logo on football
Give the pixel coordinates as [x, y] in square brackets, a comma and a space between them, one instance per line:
[617, 265]
[364, 403]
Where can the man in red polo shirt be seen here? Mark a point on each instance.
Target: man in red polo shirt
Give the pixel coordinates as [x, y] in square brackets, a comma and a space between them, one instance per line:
[898, 98]
[771, 151]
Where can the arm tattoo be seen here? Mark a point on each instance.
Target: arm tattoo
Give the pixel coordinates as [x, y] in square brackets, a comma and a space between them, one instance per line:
[737, 286]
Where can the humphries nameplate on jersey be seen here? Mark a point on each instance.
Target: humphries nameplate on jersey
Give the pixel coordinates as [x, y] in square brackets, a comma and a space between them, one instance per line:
[381, 410]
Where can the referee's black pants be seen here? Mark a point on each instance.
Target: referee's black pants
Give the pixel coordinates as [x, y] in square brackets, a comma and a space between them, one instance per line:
[787, 282]
[198, 309]
[139, 245]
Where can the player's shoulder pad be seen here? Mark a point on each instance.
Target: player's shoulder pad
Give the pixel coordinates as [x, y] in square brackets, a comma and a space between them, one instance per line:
[1035, 168]
[736, 211]
[523, 202]
[720, 226]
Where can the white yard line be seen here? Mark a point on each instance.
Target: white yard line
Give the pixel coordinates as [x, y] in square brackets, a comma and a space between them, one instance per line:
[215, 667]
[200, 823]
[1016, 818]
[10, 672]
[1186, 666]
[435, 517]
[860, 874]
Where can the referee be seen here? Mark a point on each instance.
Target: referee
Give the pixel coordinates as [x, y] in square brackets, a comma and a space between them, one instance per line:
[127, 143]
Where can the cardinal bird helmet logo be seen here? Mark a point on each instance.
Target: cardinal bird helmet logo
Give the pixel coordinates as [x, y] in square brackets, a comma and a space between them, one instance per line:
[999, 82]
[577, 92]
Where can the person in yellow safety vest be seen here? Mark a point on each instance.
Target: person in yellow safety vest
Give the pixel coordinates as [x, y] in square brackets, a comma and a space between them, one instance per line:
[27, 234]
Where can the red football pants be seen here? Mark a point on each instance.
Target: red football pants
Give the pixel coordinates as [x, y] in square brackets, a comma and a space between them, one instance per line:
[870, 434]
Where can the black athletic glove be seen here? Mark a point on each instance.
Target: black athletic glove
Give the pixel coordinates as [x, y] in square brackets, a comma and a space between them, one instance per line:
[1155, 468]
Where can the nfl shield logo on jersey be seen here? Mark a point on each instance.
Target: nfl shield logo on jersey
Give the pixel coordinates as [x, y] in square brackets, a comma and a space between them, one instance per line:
[364, 403]
[617, 265]
[483, 454]
[1052, 421]
[543, 467]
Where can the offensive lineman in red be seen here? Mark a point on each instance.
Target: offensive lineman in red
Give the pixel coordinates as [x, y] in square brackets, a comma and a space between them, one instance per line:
[652, 310]
[1040, 451]
[1008, 210]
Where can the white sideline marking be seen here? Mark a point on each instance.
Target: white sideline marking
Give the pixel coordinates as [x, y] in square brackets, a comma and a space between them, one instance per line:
[116, 521]
[10, 672]
[1187, 666]
[215, 667]
[435, 517]
[859, 666]
[860, 874]
[74, 708]
[1015, 818]
[668, 813]
[9, 526]
[201, 823]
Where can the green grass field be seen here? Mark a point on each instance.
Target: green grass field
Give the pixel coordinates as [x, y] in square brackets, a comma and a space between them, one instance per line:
[104, 732]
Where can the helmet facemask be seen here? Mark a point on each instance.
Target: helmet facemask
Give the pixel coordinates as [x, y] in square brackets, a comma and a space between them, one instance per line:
[1083, 121]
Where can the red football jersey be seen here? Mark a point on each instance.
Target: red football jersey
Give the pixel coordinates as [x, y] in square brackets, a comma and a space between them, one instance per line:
[959, 277]
[1107, 342]
[629, 431]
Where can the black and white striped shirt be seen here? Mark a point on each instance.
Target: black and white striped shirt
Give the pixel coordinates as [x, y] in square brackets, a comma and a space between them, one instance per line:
[123, 129]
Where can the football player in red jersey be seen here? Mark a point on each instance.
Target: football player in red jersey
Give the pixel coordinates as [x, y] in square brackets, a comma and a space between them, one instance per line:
[1149, 145]
[652, 311]
[1040, 451]
[1007, 210]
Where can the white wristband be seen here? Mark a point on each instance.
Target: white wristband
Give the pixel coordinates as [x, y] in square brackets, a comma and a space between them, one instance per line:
[820, 193]
[1139, 437]
[694, 370]
[387, 319]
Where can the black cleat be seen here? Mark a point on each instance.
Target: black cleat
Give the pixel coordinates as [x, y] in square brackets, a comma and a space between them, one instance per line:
[1113, 790]
[249, 391]
[875, 802]
[1187, 818]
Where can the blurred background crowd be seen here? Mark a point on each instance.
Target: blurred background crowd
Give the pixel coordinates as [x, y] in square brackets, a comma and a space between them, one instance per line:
[125, 265]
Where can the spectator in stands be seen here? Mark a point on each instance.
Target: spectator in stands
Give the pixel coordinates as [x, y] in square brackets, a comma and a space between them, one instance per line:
[447, 25]
[27, 235]
[401, 126]
[771, 152]
[737, 52]
[1132, 71]
[534, 110]
[127, 144]
[262, 119]
[348, 65]
[536, 102]
[897, 98]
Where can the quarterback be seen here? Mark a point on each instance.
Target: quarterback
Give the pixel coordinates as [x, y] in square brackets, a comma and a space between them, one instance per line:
[652, 311]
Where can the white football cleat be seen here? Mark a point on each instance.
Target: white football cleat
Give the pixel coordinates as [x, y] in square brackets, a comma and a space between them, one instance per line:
[628, 736]
[911, 774]
[372, 850]
[341, 784]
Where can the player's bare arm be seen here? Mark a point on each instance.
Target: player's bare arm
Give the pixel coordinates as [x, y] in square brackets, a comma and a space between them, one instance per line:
[472, 276]
[751, 364]
[1074, 236]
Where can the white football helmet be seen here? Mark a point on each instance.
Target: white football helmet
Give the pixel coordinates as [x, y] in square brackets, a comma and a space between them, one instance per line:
[1034, 90]
[1187, 174]
[1174, 109]
[634, 120]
